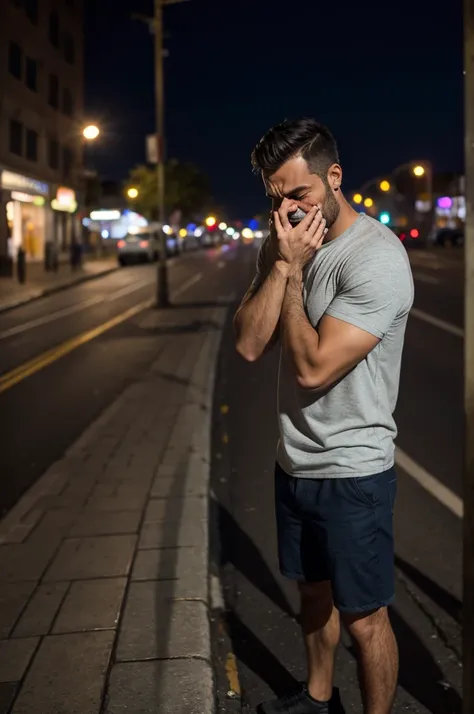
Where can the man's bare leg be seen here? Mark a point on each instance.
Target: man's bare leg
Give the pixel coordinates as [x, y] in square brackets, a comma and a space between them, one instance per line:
[377, 659]
[321, 631]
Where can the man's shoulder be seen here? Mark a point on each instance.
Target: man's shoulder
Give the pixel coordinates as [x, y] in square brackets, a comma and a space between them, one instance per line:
[378, 245]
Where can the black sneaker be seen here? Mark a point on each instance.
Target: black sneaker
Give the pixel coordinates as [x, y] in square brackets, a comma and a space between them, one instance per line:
[300, 702]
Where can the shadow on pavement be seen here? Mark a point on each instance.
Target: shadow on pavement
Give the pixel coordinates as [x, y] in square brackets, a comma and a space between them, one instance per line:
[448, 602]
[257, 657]
[239, 549]
[420, 674]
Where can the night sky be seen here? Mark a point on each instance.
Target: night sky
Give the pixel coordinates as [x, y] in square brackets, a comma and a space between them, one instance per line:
[387, 81]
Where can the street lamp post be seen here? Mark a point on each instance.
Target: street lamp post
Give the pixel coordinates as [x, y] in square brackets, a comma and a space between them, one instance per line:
[162, 290]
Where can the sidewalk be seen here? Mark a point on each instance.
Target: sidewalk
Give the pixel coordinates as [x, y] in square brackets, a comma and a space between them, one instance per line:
[104, 562]
[39, 282]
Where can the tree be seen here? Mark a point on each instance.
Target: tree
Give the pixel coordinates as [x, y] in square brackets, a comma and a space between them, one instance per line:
[186, 189]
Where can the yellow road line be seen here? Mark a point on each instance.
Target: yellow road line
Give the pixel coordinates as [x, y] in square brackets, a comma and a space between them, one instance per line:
[232, 674]
[34, 365]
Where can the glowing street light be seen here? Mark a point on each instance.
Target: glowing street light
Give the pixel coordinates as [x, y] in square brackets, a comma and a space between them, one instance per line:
[385, 185]
[91, 132]
[368, 203]
[222, 226]
[210, 221]
[357, 198]
[132, 192]
[419, 171]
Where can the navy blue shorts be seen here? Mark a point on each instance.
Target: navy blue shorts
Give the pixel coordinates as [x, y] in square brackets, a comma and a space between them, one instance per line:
[339, 530]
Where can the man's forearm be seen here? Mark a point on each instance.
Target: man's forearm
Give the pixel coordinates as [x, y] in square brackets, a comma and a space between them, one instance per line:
[299, 338]
[257, 319]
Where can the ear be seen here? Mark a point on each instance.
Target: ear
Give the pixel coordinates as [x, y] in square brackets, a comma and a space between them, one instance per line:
[335, 177]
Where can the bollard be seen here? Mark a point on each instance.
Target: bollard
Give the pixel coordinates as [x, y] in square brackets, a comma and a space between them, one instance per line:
[21, 266]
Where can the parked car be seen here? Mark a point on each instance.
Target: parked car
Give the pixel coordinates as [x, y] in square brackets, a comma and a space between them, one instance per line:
[142, 245]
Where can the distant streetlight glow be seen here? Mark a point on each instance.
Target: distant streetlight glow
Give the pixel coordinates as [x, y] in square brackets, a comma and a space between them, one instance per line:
[167, 229]
[210, 221]
[385, 185]
[385, 218]
[91, 132]
[222, 226]
[132, 192]
[183, 232]
[357, 198]
[419, 171]
[368, 203]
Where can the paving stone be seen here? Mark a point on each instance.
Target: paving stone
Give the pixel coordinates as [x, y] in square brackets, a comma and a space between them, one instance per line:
[41, 611]
[25, 561]
[91, 605]
[15, 656]
[110, 523]
[193, 486]
[154, 626]
[97, 557]
[13, 598]
[7, 695]
[118, 503]
[67, 675]
[187, 566]
[187, 532]
[151, 687]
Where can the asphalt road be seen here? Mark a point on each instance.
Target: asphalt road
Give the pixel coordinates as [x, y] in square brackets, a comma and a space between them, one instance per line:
[260, 620]
[42, 414]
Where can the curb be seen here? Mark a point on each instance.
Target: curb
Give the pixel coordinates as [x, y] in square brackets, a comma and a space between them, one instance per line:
[55, 289]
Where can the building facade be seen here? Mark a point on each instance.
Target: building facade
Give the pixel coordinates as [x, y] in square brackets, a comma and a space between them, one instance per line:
[41, 120]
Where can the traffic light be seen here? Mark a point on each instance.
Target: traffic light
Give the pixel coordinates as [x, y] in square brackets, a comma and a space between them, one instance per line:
[385, 218]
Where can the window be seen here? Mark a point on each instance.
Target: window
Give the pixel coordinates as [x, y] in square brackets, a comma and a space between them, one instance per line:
[53, 91]
[54, 28]
[69, 53]
[32, 145]
[31, 9]
[15, 60]
[16, 137]
[68, 103]
[31, 74]
[67, 162]
[53, 153]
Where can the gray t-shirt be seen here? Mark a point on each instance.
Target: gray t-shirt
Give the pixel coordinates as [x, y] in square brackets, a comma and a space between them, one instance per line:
[362, 277]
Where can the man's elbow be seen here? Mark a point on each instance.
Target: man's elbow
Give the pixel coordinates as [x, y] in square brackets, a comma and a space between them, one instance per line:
[246, 351]
[311, 380]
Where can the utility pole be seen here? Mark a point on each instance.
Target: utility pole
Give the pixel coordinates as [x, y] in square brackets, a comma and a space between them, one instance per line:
[162, 288]
[468, 525]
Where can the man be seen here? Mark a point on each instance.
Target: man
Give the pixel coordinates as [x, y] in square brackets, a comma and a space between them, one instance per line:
[335, 289]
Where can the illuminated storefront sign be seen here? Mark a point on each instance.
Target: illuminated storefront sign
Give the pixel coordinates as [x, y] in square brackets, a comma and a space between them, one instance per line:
[105, 215]
[17, 182]
[65, 200]
[28, 198]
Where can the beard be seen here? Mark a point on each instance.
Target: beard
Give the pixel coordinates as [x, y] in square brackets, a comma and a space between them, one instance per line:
[330, 210]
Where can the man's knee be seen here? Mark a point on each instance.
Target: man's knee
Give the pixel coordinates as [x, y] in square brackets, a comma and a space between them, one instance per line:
[363, 627]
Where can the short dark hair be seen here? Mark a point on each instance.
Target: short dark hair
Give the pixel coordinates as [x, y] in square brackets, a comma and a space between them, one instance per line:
[301, 137]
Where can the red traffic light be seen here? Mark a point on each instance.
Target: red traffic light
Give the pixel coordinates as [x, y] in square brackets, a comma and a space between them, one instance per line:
[414, 233]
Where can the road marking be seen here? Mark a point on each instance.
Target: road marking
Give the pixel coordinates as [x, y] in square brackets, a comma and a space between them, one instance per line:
[431, 484]
[128, 289]
[232, 675]
[39, 321]
[432, 320]
[64, 312]
[185, 286]
[34, 365]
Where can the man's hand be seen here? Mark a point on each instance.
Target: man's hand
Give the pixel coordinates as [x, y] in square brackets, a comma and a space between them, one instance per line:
[298, 244]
